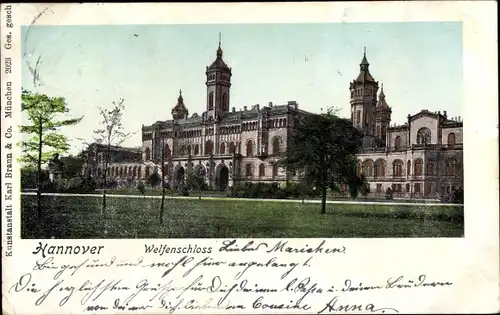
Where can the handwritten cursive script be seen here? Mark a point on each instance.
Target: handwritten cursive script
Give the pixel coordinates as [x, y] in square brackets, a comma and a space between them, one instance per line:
[281, 277]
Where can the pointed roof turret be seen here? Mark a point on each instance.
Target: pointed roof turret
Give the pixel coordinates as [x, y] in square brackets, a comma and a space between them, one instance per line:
[364, 63]
[382, 104]
[219, 63]
[364, 72]
[180, 111]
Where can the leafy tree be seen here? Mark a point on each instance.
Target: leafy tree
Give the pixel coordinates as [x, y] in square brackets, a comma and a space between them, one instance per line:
[324, 145]
[73, 165]
[196, 181]
[357, 185]
[154, 179]
[46, 117]
[110, 134]
[364, 187]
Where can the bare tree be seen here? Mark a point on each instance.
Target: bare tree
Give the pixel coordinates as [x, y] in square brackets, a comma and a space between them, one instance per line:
[159, 164]
[163, 191]
[110, 135]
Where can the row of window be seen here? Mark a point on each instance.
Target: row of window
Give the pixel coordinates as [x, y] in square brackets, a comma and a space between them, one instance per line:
[275, 123]
[359, 92]
[221, 76]
[224, 101]
[378, 169]
[135, 171]
[125, 171]
[424, 137]
[223, 149]
[249, 170]
[398, 188]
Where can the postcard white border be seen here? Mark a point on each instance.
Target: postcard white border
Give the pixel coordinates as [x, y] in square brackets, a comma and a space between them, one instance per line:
[472, 261]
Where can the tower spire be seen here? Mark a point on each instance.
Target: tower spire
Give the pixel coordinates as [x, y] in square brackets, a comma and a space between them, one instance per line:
[364, 63]
[219, 50]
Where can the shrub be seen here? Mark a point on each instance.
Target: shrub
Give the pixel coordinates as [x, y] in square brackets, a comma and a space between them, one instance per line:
[183, 190]
[141, 187]
[458, 196]
[388, 193]
[111, 183]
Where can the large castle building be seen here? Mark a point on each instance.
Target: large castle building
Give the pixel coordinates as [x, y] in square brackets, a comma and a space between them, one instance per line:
[421, 158]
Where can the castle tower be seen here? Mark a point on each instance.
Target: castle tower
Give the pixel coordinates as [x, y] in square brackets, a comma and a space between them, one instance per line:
[218, 86]
[364, 99]
[382, 118]
[180, 111]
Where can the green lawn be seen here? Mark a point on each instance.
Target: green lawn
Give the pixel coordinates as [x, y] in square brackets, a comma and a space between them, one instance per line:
[79, 217]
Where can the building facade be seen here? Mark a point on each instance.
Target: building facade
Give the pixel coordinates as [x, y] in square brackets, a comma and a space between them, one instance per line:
[421, 158]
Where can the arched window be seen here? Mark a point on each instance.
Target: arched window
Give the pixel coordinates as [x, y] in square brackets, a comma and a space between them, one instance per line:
[378, 132]
[397, 143]
[188, 149]
[367, 168]
[408, 168]
[424, 136]
[275, 169]
[196, 149]
[225, 103]
[232, 147]
[147, 172]
[451, 166]
[248, 170]
[211, 101]
[249, 148]
[223, 148]
[262, 170]
[451, 139]
[239, 147]
[209, 147]
[358, 117]
[380, 168]
[397, 166]
[276, 146]
[147, 154]
[139, 172]
[417, 167]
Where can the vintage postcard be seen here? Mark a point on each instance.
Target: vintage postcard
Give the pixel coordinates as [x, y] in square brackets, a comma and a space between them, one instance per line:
[250, 158]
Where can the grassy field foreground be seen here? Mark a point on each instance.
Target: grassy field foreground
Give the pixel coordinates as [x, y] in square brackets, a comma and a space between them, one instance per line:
[79, 217]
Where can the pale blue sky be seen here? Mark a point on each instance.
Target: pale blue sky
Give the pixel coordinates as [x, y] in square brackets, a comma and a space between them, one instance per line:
[420, 65]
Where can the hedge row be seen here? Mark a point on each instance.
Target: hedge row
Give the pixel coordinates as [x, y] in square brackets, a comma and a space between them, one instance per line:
[272, 191]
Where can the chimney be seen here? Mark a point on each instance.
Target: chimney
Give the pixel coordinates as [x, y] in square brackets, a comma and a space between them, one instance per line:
[233, 109]
[244, 108]
[270, 104]
[444, 114]
[257, 106]
[459, 118]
